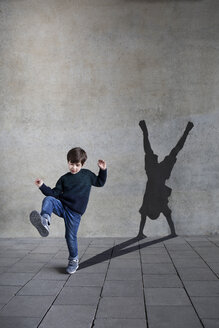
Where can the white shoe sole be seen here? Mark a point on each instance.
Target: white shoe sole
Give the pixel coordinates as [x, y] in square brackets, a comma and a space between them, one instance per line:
[35, 219]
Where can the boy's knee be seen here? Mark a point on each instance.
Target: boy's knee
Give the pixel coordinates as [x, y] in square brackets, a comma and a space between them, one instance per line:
[49, 198]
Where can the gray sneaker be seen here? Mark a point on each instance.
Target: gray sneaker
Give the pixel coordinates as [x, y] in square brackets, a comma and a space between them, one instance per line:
[40, 223]
[72, 266]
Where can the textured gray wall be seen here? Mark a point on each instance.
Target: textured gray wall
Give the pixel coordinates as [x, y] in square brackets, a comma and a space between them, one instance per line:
[84, 73]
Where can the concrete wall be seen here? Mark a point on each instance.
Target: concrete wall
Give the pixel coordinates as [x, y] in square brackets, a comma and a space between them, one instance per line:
[84, 73]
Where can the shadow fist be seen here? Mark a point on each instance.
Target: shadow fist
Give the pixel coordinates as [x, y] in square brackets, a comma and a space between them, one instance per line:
[189, 126]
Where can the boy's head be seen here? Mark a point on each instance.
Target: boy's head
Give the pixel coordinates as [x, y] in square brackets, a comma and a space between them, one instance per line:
[76, 158]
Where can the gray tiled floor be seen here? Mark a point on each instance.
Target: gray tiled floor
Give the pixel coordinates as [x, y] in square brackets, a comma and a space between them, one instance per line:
[121, 282]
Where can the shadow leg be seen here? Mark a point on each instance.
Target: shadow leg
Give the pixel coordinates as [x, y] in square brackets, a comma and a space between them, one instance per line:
[168, 216]
[142, 225]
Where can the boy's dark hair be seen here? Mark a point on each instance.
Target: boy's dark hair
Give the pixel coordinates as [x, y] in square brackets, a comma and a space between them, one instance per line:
[77, 155]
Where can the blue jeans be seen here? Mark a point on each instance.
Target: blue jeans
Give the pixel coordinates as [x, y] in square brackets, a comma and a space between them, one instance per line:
[72, 220]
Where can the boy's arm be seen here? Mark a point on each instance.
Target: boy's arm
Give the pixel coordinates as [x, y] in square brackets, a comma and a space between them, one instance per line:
[99, 181]
[55, 192]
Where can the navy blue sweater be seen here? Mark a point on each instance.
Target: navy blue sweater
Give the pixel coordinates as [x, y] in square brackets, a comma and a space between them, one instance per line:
[73, 190]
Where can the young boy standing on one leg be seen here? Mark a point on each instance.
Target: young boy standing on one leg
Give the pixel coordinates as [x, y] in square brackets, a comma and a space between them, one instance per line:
[69, 200]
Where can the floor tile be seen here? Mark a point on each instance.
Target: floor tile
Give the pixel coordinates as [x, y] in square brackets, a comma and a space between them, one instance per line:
[211, 323]
[166, 296]
[95, 258]
[156, 281]
[200, 243]
[91, 267]
[183, 254]
[211, 259]
[86, 279]
[120, 323]
[158, 268]
[124, 274]
[124, 255]
[37, 257]
[92, 250]
[121, 307]
[123, 288]
[119, 263]
[3, 269]
[27, 306]
[19, 322]
[103, 242]
[23, 246]
[8, 261]
[153, 251]
[172, 317]
[79, 295]
[202, 288]
[207, 307]
[52, 273]
[7, 292]
[13, 254]
[190, 263]
[214, 267]
[69, 316]
[178, 247]
[42, 287]
[152, 258]
[46, 250]
[15, 279]
[196, 274]
[25, 267]
[206, 251]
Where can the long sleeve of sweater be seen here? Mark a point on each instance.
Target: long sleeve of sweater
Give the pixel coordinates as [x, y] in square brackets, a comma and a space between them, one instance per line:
[100, 179]
[55, 192]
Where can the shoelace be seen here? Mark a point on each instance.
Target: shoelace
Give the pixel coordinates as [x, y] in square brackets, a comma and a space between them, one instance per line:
[71, 262]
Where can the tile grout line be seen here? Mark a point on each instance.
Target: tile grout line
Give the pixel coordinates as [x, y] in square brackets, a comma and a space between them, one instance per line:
[212, 242]
[205, 262]
[184, 285]
[98, 303]
[144, 296]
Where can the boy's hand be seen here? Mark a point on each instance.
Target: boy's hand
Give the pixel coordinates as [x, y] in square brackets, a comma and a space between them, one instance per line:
[39, 182]
[102, 164]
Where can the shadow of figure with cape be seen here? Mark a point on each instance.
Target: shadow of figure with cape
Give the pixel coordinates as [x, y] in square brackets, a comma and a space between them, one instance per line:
[156, 195]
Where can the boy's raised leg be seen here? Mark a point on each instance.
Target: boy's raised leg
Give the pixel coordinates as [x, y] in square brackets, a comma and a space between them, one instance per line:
[41, 221]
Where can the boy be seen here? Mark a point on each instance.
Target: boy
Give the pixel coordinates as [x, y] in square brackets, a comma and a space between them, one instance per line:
[69, 200]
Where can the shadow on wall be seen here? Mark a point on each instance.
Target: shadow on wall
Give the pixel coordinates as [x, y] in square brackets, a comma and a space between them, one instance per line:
[155, 200]
[156, 195]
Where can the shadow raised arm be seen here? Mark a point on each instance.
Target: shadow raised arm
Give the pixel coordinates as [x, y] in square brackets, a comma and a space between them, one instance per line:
[181, 142]
[147, 146]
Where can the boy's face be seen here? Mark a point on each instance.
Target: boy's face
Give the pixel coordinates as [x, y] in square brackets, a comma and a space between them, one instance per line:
[74, 167]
